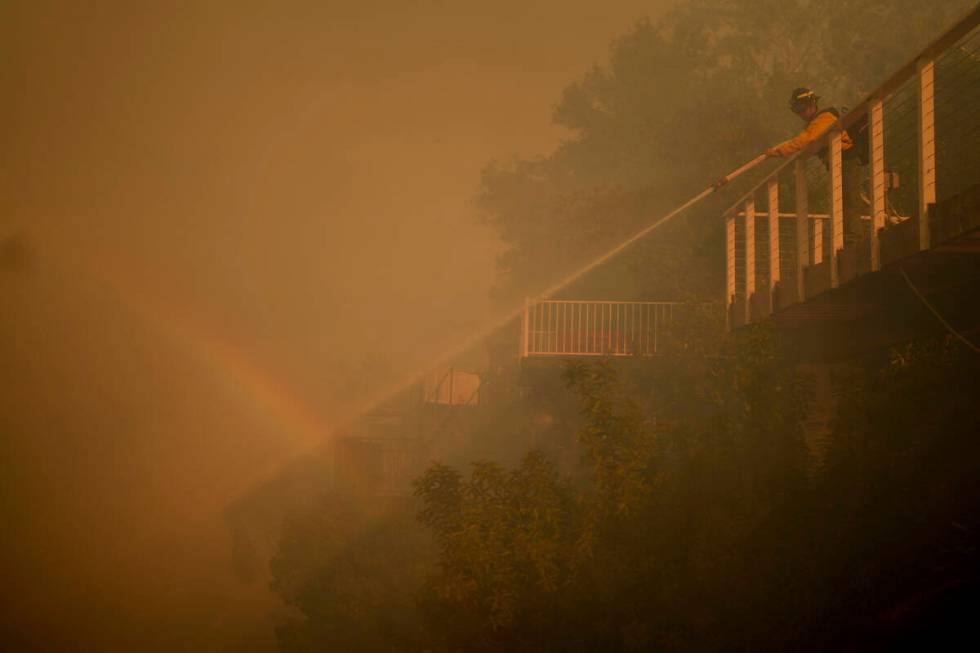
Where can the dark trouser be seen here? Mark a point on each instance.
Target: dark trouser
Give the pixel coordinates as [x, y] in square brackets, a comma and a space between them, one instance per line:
[854, 205]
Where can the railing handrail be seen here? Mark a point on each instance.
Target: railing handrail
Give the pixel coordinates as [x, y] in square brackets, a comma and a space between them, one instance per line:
[776, 274]
[576, 327]
[601, 301]
[959, 29]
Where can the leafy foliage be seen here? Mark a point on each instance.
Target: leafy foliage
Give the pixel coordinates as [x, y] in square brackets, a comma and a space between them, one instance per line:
[505, 540]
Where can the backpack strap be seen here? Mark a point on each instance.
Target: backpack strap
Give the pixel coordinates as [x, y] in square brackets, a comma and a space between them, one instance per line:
[831, 110]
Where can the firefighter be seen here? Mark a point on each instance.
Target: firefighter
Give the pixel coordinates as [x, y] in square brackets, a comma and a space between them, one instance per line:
[804, 103]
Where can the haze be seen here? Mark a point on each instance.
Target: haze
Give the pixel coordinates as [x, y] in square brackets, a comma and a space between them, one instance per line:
[224, 225]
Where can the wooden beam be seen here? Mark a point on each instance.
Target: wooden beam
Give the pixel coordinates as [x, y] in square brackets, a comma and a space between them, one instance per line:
[772, 189]
[802, 225]
[749, 257]
[878, 187]
[729, 267]
[927, 147]
[525, 328]
[836, 204]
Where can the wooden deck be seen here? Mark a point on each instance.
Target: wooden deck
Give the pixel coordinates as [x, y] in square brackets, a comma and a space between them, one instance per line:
[878, 309]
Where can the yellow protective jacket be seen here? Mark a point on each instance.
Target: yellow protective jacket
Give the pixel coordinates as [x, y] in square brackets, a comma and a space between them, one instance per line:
[817, 127]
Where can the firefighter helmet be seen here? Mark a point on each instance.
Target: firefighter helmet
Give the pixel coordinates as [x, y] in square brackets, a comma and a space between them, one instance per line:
[801, 98]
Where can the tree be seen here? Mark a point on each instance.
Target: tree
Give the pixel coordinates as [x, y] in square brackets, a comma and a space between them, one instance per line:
[505, 543]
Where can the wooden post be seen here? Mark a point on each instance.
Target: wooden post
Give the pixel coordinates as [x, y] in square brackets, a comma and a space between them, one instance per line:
[749, 257]
[878, 190]
[836, 204]
[525, 327]
[802, 224]
[927, 148]
[729, 268]
[816, 246]
[772, 191]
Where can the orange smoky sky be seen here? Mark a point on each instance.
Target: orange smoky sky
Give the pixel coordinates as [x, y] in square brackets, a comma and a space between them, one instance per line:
[220, 208]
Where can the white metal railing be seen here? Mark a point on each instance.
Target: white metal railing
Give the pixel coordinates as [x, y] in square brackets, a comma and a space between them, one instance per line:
[928, 104]
[593, 328]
